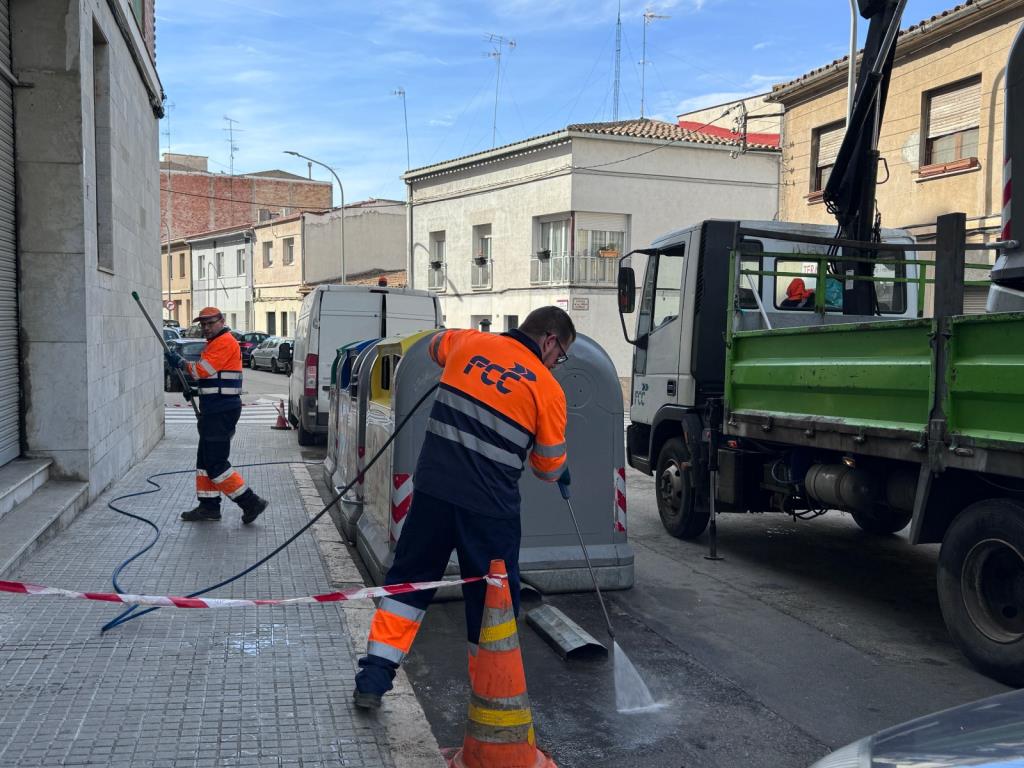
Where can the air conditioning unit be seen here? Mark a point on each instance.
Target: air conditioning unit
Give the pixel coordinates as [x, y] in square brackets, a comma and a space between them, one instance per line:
[544, 254]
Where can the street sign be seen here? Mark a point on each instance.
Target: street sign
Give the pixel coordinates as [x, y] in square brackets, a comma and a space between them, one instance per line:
[169, 305]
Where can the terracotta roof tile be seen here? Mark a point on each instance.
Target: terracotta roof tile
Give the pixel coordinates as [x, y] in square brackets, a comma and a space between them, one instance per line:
[662, 131]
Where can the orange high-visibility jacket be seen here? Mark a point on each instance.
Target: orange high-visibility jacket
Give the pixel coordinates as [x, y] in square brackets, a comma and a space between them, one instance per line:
[497, 405]
[218, 374]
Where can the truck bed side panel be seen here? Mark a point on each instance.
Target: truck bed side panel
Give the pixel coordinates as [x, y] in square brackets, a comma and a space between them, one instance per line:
[985, 378]
[859, 374]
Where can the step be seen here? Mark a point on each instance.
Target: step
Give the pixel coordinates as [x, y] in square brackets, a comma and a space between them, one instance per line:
[19, 479]
[38, 519]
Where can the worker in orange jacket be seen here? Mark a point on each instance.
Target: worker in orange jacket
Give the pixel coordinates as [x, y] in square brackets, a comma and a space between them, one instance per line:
[498, 406]
[218, 381]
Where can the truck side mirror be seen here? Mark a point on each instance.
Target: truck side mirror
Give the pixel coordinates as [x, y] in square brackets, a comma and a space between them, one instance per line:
[626, 290]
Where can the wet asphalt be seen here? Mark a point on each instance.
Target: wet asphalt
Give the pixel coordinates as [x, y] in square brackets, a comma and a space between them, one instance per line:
[807, 635]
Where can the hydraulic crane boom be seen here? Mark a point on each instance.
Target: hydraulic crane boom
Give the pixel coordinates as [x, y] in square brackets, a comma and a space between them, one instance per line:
[850, 191]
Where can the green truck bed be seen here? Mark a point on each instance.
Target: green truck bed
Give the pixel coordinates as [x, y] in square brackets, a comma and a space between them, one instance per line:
[872, 388]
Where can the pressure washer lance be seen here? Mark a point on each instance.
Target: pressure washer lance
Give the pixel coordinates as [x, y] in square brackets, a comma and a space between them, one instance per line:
[186, 388]
[564, 490]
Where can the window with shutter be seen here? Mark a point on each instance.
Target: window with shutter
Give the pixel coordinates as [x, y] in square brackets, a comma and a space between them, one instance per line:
[826, 142]
[952, 115]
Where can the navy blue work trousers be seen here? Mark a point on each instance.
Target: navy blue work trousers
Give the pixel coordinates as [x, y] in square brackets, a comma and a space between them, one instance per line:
[433, 529]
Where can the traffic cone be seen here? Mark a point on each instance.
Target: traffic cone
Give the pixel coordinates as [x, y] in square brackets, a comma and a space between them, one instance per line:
[282, 423]
[499, 731]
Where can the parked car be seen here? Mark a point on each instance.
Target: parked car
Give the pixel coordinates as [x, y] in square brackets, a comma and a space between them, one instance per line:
[187, 348]
[274, 354]
[171, 333]
[247, 342]
[194, 331]
[988, 732]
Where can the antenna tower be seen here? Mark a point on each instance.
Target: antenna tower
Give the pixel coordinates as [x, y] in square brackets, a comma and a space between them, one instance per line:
[497, 41]
[618, 63]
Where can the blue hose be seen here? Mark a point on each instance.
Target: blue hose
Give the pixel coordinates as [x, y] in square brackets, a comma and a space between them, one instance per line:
[130, 613]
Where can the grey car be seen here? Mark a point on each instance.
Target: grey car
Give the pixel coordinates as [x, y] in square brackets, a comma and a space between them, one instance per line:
[274, 354]
[983, 734]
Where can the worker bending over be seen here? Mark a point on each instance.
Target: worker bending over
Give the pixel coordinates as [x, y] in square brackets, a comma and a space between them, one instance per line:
[497, 404]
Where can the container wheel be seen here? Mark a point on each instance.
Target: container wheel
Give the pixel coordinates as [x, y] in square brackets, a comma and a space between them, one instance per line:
[883, 521]
[680, 514]
[981, 587]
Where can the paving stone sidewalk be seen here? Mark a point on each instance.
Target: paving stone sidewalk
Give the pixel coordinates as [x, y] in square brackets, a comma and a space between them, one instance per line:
[236, 687]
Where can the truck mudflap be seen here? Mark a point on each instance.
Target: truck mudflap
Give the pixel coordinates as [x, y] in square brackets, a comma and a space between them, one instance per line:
[550, 556]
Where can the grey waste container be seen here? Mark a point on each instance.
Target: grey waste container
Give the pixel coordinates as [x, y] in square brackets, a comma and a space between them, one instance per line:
[550, 556]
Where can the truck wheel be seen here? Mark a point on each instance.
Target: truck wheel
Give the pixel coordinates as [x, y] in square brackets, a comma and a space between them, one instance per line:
[883, 521]
[981, 587]
[305, 438]
[674, 487]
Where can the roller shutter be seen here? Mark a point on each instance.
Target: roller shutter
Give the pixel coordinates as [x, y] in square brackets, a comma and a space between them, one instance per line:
[9, 357]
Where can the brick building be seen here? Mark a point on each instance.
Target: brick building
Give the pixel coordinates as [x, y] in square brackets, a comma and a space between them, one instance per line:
[193, 200]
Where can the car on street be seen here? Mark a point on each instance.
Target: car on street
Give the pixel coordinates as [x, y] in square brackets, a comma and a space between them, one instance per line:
[988, 732]
[171, 334]
[191, 351]
[273, 353]
[248, 341]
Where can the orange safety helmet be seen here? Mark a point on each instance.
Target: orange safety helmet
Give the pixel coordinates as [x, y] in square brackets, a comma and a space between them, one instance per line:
[208, 313]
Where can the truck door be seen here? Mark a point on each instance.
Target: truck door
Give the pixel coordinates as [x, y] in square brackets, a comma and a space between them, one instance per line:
[659, 329]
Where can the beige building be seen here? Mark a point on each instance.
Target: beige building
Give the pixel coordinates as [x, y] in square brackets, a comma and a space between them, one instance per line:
[278, 284]
[942, 135]
[176, 282]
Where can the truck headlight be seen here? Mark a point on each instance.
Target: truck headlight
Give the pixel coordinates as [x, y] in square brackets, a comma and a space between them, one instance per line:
[855, 755]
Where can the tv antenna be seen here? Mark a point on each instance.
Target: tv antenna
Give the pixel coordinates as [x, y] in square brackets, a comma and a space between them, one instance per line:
[649, 16]
[498, 42]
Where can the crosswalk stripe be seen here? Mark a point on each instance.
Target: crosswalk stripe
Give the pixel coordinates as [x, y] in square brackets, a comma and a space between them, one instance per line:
[261, 412]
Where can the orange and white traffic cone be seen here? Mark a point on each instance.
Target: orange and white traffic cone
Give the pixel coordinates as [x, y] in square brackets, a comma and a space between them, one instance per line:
[499, 732]
[282, 422]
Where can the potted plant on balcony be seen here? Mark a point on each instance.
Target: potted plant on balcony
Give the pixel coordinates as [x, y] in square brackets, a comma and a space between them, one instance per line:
[608, 251]
[480, 260]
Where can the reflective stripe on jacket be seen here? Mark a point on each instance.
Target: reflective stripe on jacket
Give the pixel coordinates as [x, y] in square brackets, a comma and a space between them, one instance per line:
[497, 405]
[218, 374]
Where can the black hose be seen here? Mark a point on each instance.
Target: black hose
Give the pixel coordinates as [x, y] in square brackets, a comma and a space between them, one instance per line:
[129, 614]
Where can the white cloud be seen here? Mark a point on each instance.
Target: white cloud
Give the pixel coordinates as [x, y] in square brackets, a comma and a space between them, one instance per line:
[763, 44]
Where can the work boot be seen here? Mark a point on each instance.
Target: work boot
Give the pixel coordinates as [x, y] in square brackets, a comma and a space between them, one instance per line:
[200, 514]
[366, 699]
[253, 509]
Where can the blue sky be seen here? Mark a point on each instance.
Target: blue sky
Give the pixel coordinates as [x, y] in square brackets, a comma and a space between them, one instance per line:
[318, 76]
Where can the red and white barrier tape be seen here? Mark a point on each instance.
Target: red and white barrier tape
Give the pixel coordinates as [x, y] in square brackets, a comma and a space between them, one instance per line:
[21, 588]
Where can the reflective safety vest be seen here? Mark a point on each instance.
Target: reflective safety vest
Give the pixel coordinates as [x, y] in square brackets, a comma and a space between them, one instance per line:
[218, 374]
[496, 407]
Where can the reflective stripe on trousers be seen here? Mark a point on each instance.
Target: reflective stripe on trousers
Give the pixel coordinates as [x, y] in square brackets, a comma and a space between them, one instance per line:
[393, 630]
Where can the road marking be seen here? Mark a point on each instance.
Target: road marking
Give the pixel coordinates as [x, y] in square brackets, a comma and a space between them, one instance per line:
[262, 411]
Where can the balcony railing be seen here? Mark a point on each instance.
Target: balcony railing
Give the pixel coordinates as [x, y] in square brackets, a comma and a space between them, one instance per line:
[567, 269]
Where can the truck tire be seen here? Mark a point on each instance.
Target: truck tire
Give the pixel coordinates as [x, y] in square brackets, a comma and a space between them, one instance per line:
[981, 587]
[680, 515]
[883, 521]
[304, 437]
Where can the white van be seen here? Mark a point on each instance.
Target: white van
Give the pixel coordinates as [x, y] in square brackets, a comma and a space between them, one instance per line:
[335, 315]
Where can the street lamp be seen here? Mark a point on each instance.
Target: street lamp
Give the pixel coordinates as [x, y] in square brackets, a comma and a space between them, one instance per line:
[341, 190]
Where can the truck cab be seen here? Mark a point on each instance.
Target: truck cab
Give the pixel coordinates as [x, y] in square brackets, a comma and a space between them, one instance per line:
[679, 358]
